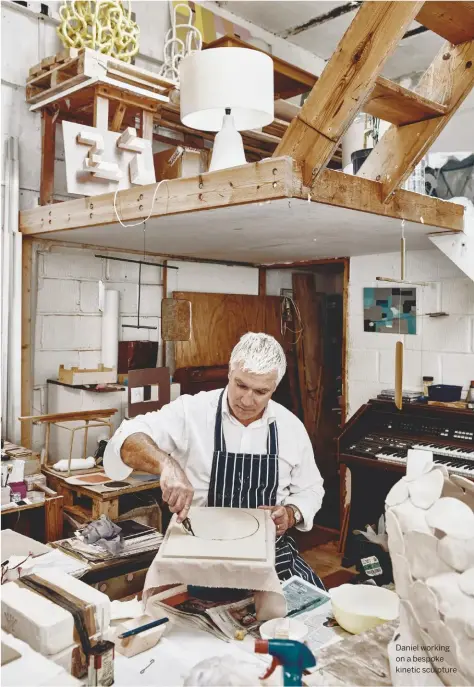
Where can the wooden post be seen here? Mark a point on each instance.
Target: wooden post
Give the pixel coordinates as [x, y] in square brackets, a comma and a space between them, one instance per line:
[164, 294]
[53, 519]
[262, 281]
[147, 125]
[48, 146]
[118, 117]
[109, 508]
[101, 112]
[26, 336]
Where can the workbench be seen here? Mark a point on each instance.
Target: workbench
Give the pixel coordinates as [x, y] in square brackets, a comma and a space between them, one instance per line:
[99, 500]
[47, 529]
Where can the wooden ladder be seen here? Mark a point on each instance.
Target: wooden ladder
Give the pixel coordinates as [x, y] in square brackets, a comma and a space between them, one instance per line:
[351, 82]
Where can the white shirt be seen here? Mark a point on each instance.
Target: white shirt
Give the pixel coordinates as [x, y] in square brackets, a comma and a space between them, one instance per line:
[185, 430]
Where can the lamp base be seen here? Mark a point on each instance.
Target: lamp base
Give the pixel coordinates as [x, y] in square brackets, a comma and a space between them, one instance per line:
[228, 150]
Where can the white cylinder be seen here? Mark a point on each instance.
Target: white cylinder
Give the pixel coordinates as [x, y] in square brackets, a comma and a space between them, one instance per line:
[237, 78]
[110, 329]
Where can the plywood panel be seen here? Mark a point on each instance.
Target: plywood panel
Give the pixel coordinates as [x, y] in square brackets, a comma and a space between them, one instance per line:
[218, 322]
[309, 349]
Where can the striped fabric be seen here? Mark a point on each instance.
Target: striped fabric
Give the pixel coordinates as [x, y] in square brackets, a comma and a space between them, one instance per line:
[246, 480]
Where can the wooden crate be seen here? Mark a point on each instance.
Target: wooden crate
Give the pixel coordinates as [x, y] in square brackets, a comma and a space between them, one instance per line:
[59, 73]
[77, 376]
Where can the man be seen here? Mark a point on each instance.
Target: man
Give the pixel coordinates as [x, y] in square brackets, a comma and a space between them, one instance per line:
[231, 448]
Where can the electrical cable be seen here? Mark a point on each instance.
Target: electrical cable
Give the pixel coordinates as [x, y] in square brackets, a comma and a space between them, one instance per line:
[137, 224]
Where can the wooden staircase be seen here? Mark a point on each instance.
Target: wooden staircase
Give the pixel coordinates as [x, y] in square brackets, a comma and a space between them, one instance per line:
[351, 82]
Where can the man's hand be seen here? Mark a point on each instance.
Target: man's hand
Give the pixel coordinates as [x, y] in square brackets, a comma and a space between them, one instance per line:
[176, 488]
[282, 516]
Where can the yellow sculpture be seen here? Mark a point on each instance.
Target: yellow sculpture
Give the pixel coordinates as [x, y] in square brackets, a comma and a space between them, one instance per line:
[103, 25]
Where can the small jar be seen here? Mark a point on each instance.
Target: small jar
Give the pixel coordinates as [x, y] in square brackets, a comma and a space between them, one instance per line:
[470, 396]
[427, 382]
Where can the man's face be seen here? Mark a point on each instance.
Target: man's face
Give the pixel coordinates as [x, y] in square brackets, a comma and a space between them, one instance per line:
[249, 393]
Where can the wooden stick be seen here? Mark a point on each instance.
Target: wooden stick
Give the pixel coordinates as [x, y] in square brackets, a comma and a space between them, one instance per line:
[48, 145]
[399, 374]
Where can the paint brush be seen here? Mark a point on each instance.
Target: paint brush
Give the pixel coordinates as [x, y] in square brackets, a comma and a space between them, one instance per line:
[142, 628]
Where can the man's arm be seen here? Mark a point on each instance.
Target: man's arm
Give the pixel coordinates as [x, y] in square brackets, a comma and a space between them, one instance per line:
[140, 452]
[144, 444]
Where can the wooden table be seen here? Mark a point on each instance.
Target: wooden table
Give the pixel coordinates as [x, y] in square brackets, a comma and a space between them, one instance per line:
[52, 520]
[104, 501]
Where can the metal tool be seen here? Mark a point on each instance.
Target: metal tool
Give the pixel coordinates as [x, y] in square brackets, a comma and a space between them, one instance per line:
[146, 667]
[187, 526]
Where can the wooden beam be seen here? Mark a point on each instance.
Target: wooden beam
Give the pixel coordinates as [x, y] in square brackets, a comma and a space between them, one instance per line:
[101, 112]
[401, 148]
[48, 146]
[345, 84]
[147, 125]
[365, 195]
[453, 21]
[53, 519]
[26, 339]
[164, 294]
[262, 281]
[251, 183]
[398, 105]
[118, 117]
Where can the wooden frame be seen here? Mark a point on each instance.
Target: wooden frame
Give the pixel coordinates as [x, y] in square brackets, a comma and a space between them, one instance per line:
[252, 183]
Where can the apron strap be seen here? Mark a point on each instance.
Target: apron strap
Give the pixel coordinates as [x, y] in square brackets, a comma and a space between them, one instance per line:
[219, 439]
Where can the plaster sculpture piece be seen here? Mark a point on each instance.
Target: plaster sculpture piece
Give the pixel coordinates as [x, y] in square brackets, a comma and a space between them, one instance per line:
[395, 534]
[411, 518]
[422, 555]
[431, 543]
[426, 490]
[466, 582]
[99, 161]
[424, 603]
[418, 463]
[451, 516]
[397, 494]
[457, 553]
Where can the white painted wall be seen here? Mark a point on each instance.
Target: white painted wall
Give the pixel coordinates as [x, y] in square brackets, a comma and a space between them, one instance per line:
[68, 320]
[442, 348]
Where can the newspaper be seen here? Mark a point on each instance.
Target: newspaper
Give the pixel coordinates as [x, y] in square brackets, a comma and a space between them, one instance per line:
[94, 553]
[312, 606]
[228, 621]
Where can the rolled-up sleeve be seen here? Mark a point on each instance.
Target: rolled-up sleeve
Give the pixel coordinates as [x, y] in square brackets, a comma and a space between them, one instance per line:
[306, 487]
[167, 428]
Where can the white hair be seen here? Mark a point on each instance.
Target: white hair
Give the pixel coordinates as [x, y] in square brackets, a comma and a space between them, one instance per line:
[259, 354]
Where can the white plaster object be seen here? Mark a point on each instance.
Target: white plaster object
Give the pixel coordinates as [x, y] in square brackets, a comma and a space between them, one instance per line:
[418, 463]
[395, 536]
[421, 551]
[131, 646]
[397, 494]
[402, 576]
[466, 582]
[447, 590]
[424, 603]
[411, 518]
[452, 517]
[426, 489]
[457, 553]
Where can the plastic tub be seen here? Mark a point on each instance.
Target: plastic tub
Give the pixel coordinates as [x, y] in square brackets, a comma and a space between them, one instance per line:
[444, 392]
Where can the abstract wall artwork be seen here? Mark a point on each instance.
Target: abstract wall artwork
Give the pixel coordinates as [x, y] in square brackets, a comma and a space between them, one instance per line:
[390, 311]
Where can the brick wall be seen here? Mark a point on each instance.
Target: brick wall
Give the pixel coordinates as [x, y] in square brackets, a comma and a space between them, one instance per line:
[442, 348]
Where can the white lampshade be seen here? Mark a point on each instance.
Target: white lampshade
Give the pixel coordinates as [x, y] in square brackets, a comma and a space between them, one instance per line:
[219, 78]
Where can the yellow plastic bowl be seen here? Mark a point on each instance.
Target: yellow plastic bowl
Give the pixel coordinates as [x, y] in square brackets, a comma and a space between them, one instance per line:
[360, 607]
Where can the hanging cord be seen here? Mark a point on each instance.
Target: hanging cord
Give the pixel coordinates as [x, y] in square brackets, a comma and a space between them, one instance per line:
[287, 303]
[143, 221]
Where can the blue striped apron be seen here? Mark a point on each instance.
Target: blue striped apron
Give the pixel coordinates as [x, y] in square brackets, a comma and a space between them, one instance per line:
[247, 480]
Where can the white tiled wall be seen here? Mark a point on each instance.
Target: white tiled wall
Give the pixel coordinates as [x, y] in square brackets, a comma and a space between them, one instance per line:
[442, 348]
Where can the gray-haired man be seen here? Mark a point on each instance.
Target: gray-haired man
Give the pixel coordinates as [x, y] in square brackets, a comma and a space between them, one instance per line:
[232, 447]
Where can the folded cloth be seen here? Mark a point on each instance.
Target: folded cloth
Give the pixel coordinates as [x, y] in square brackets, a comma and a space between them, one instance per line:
[103, 532]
